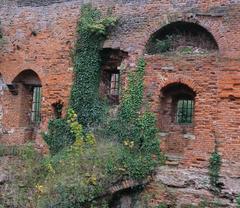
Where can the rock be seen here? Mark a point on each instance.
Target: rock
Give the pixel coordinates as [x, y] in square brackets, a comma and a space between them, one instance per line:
[182, 178]
[3, 178]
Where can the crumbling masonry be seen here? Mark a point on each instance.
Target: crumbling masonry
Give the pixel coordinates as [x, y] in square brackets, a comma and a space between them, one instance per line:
[35, 58]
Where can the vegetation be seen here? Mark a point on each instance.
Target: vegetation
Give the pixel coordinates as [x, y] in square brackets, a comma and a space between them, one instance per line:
[85, 176]
[238, 201]
[136, 129]
[162, 205]
[161, 46]
[182, 42]
[91, 165]
[59, 135]
[92, 30]
[214, 170]
[24, 169]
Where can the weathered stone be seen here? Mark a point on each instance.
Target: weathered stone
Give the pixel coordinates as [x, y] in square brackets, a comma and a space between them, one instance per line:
[3, 177]
[195, 183]
[189, 136]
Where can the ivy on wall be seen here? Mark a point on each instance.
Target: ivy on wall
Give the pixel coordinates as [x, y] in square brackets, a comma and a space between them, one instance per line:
[136, 129]
[92, 31]
[92, 165]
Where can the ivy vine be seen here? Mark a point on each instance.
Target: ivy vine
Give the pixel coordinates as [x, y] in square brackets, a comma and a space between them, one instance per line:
[215, 163]
[87, 171]
[92, 31]
[136, 129]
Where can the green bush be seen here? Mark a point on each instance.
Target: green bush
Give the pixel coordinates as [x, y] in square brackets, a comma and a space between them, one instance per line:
[238, 201]
[59, 135]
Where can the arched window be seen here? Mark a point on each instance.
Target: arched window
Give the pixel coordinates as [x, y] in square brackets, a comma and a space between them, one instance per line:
[29, 88]
[178, 103]
[182, 37]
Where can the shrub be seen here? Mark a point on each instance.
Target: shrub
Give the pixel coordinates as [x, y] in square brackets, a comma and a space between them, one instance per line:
[84, 179]
[160, 46]
[214, 170]
[162, 205]
[238, 201]
[59, 135]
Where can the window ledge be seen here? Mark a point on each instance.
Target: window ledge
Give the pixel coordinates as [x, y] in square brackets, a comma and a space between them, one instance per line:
[163, 134]
[189, 136]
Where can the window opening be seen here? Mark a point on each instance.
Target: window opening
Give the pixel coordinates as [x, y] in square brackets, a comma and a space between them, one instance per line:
[57, 108]
[114, 84]
[185, 111]
[36, 106]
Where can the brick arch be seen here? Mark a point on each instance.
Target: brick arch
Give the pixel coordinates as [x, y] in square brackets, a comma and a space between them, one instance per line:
[210, 26]
[27, 74]
[182, 80]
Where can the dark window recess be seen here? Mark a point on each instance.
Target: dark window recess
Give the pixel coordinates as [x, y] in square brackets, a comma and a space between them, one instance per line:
[110, 74]
[36, 106]
[178, 103]
[185, 111]
[57, 108]
[113, 87]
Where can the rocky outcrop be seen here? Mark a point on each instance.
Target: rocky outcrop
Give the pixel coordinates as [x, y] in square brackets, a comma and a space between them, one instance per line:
[193, 185]
[179, 188]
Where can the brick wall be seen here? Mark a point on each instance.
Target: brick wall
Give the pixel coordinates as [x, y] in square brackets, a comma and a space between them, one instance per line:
[40, 35]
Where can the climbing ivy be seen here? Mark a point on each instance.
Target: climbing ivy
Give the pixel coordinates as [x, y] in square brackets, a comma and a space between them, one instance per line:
[130, 105]
[215, 163]
[92, 30]
[90, 168]
[136, 129]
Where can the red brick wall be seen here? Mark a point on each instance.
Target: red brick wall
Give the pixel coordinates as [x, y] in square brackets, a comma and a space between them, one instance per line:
[40, 36]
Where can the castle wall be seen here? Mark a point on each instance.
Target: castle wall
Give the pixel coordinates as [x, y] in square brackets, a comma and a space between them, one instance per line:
[40, 35]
